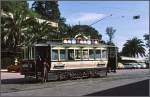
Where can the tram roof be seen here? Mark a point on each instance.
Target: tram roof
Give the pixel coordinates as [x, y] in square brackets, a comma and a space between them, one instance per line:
[71, 45]
[60, 43]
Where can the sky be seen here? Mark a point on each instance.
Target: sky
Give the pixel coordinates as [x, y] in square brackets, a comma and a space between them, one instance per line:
[87, 12]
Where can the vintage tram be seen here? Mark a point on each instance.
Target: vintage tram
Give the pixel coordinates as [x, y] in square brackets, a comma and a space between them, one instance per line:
[67, 59]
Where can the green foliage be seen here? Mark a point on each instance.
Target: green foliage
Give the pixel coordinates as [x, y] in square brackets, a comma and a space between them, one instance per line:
[39, 31]
[11, 29]
[146, 38]
[47, 9]
[21, 27]
[9, 6]
[83, 29]
[133, 48]
[6, 6]
[15, 24]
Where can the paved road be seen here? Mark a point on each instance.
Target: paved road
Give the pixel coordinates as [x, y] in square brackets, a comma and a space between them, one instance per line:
[21, 87]
[135, 89]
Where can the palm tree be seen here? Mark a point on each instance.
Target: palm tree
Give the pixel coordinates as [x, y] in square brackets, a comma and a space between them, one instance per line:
[133, 48]
[39, 31]
[110, 32]
[146, 38]
[12, 25]
[15, 23]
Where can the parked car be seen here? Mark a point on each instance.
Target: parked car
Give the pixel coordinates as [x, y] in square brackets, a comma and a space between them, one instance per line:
[120, 66]
[132, 66]
[136, 65]
[128, 66]
[143, 65]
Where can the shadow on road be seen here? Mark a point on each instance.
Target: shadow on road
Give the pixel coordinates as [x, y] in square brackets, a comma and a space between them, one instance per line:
[19, 81]
[135, 89]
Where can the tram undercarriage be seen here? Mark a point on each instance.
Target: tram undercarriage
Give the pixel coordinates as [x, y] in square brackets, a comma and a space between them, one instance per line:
[75, 74]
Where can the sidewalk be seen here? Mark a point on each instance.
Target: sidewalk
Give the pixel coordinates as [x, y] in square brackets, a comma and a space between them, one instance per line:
[4, 70]
[10, 75]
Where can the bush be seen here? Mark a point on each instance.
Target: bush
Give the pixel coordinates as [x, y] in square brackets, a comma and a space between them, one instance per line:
[13, 68]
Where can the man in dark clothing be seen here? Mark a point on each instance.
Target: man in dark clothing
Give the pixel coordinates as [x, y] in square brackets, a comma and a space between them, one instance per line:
[42, 66]
[39, 67]
[39, 64]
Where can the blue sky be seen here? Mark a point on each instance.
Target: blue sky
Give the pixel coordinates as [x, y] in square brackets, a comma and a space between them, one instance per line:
[87, 12]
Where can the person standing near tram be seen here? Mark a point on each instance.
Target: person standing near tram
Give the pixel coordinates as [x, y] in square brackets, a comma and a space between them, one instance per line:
[42, 68]
[45, 70]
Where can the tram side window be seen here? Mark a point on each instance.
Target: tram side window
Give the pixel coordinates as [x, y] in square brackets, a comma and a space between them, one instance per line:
[104, 54]
[70, 54]
[91, 54]
[85, 54]
[62, 55]
[33, 53]
[54, 54]
[26, 53]
[98, 54]
[77, 54]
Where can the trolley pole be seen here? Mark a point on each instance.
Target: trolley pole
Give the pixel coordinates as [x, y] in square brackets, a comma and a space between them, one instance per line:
[100, 20]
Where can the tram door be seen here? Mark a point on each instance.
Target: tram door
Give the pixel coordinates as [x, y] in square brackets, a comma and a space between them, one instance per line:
[112, 59]
[43, 52]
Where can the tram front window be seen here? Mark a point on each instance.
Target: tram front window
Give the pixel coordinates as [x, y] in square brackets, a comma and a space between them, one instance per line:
[70, 54]
[62, 55]
[54, 54]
